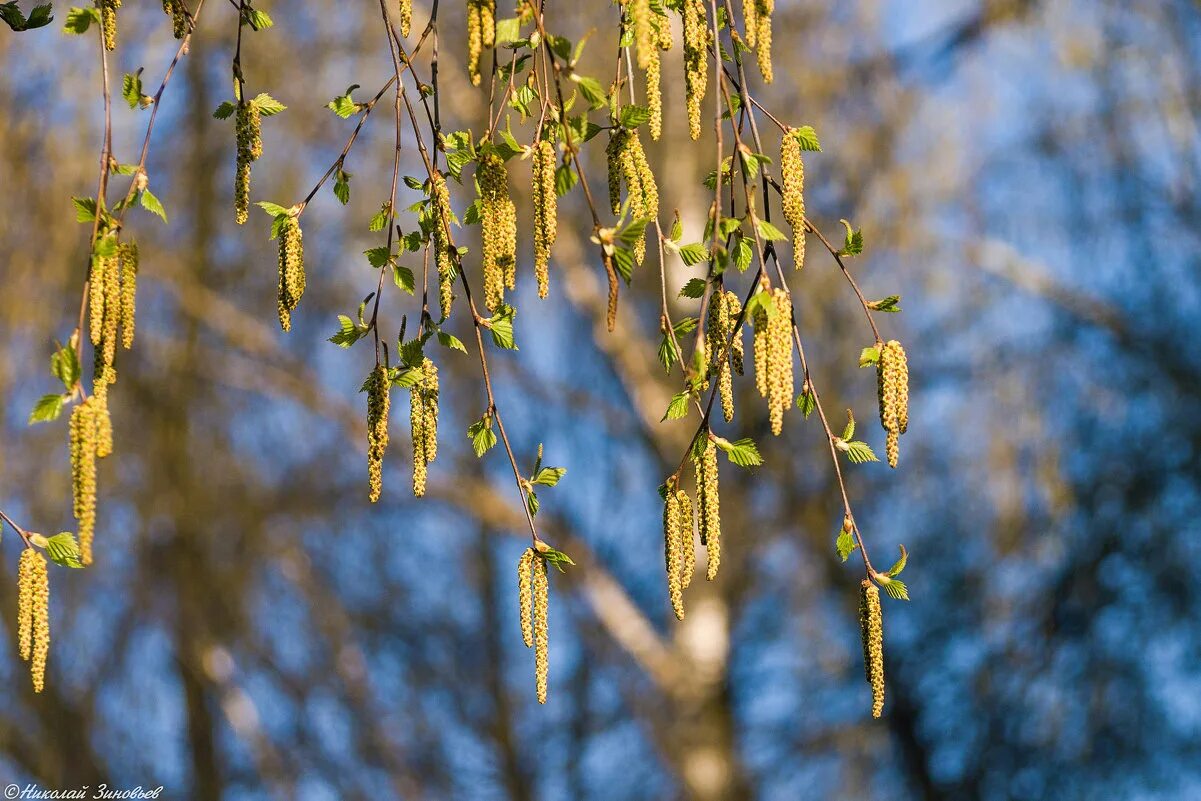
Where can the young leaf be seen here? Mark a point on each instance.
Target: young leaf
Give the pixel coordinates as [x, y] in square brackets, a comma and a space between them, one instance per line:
[694, 253]
[48, 407]
[888, 304]
[225, 110]
[64, 365]
[549, 476]
[63, 550]
[853, 245]
[694, 289]
[770, 232]
[267, 105]
[348, 333]
[481, 434]
[807, 138]
[849, 431]
[342, 187]
[899, 565]
[131, 88]
[846, 544]
[869, 356]
[895, 588]
[743, 453]
[501, 327]
[79, 19]
[677, 408]
[805, 402]
[857, 452]
[152, 204]
[450, 341]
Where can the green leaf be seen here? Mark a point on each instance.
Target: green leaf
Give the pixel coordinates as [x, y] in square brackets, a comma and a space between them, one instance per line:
[742, 254]
[895, 588]
[482, 436]
[550, 476]
[257, 20]
[694, 289]
[806, 403]
[225, 110]
[849, 431]
[677, 408]
[807, 138]
[450, 341]
[152, 204]
[48, 408]
[869, 356]
[274, 209]
[403, 278]
[857, 452]
[79, 19]
[531, 500]
[348, 333]
[853, 244]
[770, 232]
[342, 186]
[556, 558]
[899, 565]
[380, 219]
[63, 550]
[846, 544]
[888, 304]
[11, 14]
[131, 88]
[633, 116]
[591, 89]
[743, 453]
[85, 209]
[501, 327]
[378, 256]
[677, 229]
[64, 365]
[694, 253]
[267, 105]
[507, 30]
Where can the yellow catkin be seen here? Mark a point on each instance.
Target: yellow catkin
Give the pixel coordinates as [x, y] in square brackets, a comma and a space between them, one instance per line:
[406, 17]
[750, 21]
[792, 171]
[696, 52]
[291, 270]
[82, 438]
[97, 279]
[25, 592]
[525, 595]
[179, 17]
[113, 300]
[708, 505]
[541, 592]
[129, 292]
[108, 21]
[648, 39]
[779, 356]
[248, 128]
[100, 412]
[759, 318]
[892, 382]
[440, 236]
[423, 420]
[871, 627]
[546, 211]
[673, 551]
[717, 332]
[41, 622]
[481, 34]
[687, 543]
[378, 402]
[654, 97]
[737, 354]
[498, 219]
[763, 12]
[613, 156]
[627, 162]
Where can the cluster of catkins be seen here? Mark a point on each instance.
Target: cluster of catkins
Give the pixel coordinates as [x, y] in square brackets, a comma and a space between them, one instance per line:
[871, 628]
[481, 34]
[652, 33]
[423, 420]
[248, 125]
[180, 20]
[792, 172]
[533, 589]
[678, 544]
[773, 356]
[498, 232]
[379, 400]
[33, 614]
[724, 308]
[627, 162]
[439, 222]
[892, 382]
[291, 270]
[546, 211]
[697, 38]
[756, 15]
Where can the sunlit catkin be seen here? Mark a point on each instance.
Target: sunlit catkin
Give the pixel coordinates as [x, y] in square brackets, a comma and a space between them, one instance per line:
[378, 403]
[717, 333]
[737, 354]
[423, 421]
[179, 17]
[440, 236]
[97, 279]
[525, 594]
[406, 17]
[627, 162]
[792, 171]
[82, 439]
[708, 504]
[100, 412]
[779, 356]
[108, 21]
[129, 292]
[673, 552]
[248, 127]
[687, 543]
[498, 232]
[291, 270]
[546, 211]
[541, 591]
[647, 40]
[106, 352]
[763, 12]
[892, 382]
[33, 614]
[696, 50]
[871, 627]
[481, 34]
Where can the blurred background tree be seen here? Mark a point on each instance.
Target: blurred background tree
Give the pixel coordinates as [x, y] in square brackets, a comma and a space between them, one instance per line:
[1026, 176]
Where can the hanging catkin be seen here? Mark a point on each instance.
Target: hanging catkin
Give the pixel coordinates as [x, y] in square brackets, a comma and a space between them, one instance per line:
[541, 591]
[717, 333]
[687, 543]
[129, 291]
[423, 421]
[378, 403]
[734, 306]
[792, 170]
[498, 233]
[97, 279]
[481, 34]
[779, 355]
[627, 162]
[33, 614]
[892, 381]
[708, 503]
[696, 51]
[546, 211]
[871, 627]
[82, 440]
[673, 551]
[108, 21]
[406, 17]
[179, 17]
[291, 270]
[441, 217]
[248, 128]
[763, 12]
[525, 595]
